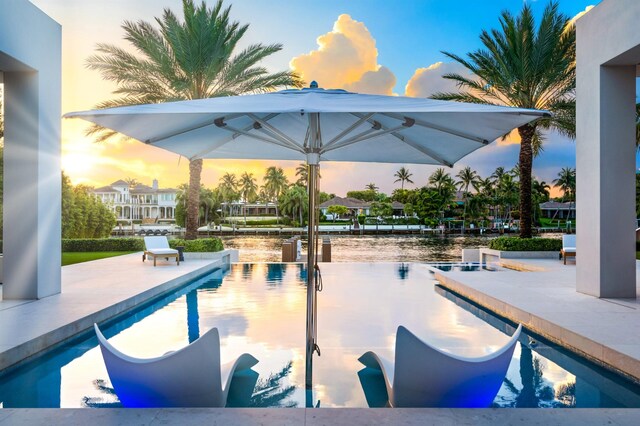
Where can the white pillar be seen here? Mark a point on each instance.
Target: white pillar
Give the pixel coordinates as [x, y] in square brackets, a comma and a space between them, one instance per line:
[30, 49]
[608, 49]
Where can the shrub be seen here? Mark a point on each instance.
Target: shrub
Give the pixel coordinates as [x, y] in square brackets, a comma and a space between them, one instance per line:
[525, 244]
[102, 244]
[199, 245]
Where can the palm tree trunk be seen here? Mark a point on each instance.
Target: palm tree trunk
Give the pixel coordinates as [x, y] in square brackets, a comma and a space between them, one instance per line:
[526, 160]
[193, 199]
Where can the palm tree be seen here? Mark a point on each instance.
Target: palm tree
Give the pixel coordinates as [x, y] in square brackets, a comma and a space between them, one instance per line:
[566, 182]
[248, 190]
[371, 187]
[524, 66]
[229, 189]
[444, 186]
[302, 172]
[403, 176]
[191, 59]
[132, 182]
[467, 178]
[294, 202]
[275, 182]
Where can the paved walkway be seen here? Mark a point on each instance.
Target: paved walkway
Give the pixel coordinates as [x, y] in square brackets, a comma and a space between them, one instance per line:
[321, 416]
[91, 292]
[545, 301]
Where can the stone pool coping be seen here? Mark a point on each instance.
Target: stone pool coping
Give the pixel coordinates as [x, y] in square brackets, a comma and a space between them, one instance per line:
[321, 416]
[541, 295]
[91, 292]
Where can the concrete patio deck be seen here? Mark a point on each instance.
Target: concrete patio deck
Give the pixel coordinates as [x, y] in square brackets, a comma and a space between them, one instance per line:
[321, 416]
[541, 294]
[91, 292]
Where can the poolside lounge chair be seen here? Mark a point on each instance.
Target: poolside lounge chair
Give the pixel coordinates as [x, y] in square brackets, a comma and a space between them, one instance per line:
[189, 377]
[424, 376]
[158, 246]
[568, 247]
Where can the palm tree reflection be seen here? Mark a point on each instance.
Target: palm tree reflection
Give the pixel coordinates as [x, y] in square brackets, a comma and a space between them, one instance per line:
[271, 392]
[102, 402]
[535, 391]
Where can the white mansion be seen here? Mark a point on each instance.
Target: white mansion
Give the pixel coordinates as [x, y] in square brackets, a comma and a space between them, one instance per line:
[140, 202]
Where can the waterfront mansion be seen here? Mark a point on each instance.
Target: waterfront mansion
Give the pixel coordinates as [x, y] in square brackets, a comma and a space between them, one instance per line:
[139, 202]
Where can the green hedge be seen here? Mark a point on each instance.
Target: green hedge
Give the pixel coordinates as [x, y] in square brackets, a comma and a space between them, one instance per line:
[102, 244]
[525, 244]
[137, 244]
[199, 245]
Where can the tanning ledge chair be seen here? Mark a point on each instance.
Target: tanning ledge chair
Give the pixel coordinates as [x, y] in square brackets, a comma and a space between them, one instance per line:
[568, 247]
[159, 247]
[424, 376]
[189, 377]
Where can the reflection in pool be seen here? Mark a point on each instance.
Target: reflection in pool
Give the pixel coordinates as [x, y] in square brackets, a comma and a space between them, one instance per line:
[259, 309]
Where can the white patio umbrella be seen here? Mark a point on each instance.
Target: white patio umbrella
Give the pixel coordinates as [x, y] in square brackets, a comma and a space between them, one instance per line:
[315, 125]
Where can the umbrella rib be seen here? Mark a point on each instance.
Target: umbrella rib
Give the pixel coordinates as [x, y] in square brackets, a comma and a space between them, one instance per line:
[368, 134]
[275, 133]
[222, 125]
[443, 129]
[416, 146]
[232, 137]
[187, 129]
[348, 130]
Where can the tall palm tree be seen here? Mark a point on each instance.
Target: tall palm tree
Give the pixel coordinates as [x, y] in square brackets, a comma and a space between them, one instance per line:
[190, 59]
[275, 182]
[566, 182]
[445, 187]
[403, 176]
[372, 187]
[302, 171]
[467, 178]
[248, 190]
[229, 189]
[527, 66]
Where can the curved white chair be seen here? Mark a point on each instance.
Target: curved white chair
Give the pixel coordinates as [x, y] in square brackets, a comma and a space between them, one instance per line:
[189, 377]
[424, 376]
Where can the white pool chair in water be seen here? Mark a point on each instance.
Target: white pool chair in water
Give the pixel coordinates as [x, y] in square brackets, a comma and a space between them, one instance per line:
[159, 247]
[424, 376]
[189, 377]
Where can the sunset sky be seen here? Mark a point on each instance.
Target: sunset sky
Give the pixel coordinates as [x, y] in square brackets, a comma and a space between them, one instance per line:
[387, 47]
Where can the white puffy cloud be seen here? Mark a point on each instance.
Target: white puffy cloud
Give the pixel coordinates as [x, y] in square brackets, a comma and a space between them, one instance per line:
[346, 58]
[427, 81]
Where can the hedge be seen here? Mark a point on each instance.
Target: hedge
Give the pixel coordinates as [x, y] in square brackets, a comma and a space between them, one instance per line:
[102, 244]
[137, 244]
[199, 245]
[525, 244]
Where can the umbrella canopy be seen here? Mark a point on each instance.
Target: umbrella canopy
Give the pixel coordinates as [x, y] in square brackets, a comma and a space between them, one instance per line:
[349, 126]
[315, 125]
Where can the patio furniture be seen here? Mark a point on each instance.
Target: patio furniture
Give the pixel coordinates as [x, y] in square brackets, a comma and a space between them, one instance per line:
[568, 247]
[424, 376]
[158, 246]
[189, 377]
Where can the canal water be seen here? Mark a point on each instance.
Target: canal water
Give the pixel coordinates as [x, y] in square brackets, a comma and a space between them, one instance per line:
[366, 248]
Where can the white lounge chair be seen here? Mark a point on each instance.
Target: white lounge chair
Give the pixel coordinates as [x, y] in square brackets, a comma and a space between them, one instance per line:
[189, 377]
[568, 247]
[424, 376]
[159, 247]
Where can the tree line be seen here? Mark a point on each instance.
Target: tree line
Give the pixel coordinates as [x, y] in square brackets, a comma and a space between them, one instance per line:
[290, 199]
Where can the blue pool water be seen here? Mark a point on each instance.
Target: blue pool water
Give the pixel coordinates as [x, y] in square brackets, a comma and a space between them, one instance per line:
[260, 309]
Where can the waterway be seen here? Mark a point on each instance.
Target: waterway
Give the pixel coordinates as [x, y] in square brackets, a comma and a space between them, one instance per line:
[366, 248]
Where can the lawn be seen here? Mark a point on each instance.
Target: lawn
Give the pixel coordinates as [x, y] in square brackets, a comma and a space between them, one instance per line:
[69, 258]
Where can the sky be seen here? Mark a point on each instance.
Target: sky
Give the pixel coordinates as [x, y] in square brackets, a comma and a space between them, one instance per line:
[368, 46]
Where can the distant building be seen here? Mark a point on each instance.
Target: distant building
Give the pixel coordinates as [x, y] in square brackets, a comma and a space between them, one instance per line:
[357, 207]
[557, 210]
[142, 202]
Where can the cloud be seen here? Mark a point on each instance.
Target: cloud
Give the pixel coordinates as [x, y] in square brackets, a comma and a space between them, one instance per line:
[579, 15]
[347, 58]
[427, 81]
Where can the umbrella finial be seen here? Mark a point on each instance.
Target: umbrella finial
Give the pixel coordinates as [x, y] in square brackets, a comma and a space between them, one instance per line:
[313, 85]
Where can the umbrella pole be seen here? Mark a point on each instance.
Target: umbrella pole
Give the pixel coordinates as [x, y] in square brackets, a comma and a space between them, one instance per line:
[311, 275]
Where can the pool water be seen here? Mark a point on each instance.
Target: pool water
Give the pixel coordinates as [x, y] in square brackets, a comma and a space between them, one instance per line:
[260, 309]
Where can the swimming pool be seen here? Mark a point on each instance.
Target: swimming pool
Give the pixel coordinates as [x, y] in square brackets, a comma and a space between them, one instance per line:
[259, 308]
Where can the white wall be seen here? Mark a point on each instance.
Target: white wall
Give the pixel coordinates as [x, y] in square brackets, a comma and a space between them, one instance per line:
[608, 49]
[30, 51]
